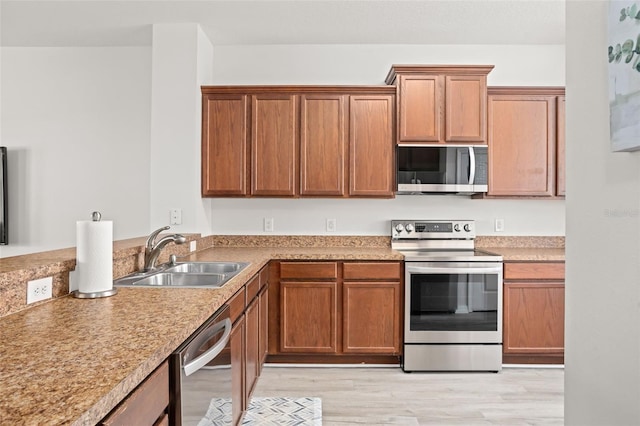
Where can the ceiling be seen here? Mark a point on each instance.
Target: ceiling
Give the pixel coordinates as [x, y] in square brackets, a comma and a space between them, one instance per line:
[128, 23]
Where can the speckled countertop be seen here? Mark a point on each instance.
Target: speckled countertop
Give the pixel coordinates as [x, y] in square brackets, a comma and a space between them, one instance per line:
[524, 249]
[71, 361]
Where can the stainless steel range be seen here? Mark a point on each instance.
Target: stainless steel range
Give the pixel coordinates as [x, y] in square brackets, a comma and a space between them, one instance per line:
[453, 297]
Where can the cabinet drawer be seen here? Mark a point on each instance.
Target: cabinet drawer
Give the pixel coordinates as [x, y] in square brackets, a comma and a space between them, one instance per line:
[253, 287]
[313, 270]
[264, 276]
[146, 404]
[237, 304]
[534, 271]
[372, 271]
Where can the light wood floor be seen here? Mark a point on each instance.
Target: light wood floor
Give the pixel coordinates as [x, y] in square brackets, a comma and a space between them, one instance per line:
[388, 396]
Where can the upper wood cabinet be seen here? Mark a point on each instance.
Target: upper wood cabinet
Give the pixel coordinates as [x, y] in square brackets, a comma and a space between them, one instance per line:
[523, 130]
[323, 144]
[371, 146]
[292, 141]
[561, 159]
[274, 137]
[224, 144]
[441, 104]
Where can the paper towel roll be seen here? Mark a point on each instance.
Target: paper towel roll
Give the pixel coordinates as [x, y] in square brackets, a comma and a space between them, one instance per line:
[94, 256]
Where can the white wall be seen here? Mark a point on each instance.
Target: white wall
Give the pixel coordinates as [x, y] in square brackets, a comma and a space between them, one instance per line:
[86, 132]
[76, 124]
[602, 359]
[369, 64]
[182, 59]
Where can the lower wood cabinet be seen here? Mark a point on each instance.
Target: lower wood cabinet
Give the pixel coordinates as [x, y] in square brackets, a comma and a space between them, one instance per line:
[148, 404]
[371, 317]
[533, 313]
[249, 316]
[335, 312]
[236, 340]
[255, 330]
[308, 317]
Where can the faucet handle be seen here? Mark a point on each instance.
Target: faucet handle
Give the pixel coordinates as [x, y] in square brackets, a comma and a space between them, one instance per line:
[153, 235]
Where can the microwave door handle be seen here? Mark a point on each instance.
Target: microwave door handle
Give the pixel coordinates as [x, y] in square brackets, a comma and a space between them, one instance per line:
[453, 270]
[213, 352]
[472, 165]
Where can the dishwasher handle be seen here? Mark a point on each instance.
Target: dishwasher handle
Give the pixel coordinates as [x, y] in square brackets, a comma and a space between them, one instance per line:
[212, 352]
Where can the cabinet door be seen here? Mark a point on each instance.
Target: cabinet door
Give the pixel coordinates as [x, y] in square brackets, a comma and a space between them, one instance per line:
[323, 145]
[371, 317]
[236, 341]
[522, 145]
[252, 325]
[560, 161]
[308, 317]
[274, 145]
[465, 108]
[224, 145]
[371, 145]
[421, 102]
[263, 332]
[533, 318]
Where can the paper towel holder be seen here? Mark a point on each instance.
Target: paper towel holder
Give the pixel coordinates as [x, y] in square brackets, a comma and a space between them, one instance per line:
[95, 216]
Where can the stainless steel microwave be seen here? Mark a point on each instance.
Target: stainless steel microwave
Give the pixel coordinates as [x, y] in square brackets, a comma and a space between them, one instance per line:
[427, 169]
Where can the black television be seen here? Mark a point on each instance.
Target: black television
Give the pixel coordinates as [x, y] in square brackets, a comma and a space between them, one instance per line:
[4, 206]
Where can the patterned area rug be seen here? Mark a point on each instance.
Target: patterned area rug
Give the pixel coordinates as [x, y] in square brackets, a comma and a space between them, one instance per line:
[268, 411]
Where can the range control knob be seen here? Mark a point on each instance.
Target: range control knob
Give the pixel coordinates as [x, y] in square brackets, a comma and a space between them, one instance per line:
[409, 227]
[399, 227]
[456, 227]
[467, 227]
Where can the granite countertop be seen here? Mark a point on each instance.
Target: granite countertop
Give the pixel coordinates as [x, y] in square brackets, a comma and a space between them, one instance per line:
[523, 248]
[528, 254]
[71, 361]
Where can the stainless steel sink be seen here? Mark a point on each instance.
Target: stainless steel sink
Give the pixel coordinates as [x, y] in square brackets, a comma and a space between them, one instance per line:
[169, 279]
[207, 267]
[184, 275]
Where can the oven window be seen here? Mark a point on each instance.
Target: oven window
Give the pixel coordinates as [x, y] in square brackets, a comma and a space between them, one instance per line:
[454, 302]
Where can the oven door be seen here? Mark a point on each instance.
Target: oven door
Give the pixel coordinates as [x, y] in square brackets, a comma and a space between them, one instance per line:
[453, 302]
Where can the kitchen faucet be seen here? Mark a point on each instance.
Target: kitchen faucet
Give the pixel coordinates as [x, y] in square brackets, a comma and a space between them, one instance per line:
[153, 248]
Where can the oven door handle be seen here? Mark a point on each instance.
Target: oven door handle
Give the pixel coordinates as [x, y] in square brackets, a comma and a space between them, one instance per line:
[452, 270]
[214, 351]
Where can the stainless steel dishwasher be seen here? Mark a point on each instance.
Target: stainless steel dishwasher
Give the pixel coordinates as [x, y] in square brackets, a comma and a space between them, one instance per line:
[200, 375]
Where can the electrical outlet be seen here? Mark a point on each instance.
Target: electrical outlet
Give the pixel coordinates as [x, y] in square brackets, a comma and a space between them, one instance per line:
[268, 224]
[193, 246]
[175, 217]
[499, 225]
[40, 289]
[331, 225]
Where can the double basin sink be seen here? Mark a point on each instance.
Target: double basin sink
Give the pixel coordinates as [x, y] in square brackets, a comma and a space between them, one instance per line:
[184, 275]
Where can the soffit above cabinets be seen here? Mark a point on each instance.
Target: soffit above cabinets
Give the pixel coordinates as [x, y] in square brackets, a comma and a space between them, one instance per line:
[128, 23]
